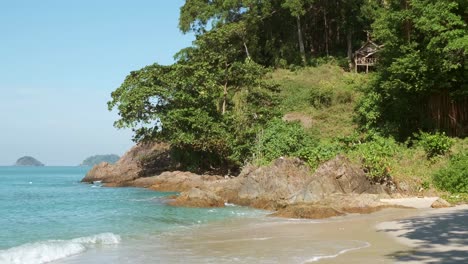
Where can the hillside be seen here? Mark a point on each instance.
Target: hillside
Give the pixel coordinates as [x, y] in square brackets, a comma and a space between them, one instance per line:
[326, 100]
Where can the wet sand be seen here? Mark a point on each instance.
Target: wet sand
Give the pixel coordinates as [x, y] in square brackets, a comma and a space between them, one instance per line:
[374, 238]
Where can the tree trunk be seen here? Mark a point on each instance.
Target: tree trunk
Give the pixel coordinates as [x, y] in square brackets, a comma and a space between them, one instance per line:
[326, 31]
[349, 42]
[247, 50]
[301, 41]
[225, 97]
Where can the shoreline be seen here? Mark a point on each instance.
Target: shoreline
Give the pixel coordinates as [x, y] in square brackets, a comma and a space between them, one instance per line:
[353, 238]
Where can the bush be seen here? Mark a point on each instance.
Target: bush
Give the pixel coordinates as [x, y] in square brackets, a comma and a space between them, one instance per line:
[434, 144]
[314, 156]
[280, 139]
[321, 97]
[376, 156]
[454, 177]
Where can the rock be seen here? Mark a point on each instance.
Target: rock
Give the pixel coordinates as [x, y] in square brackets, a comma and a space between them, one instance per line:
[441, 203]
[290, 181]
[285, 183]
[274, 186]
[197, 197]
[179, 181]
[336, 176]
[404, 186]
[335, 205]
[310, 211]
[134, 164]
[28, 161]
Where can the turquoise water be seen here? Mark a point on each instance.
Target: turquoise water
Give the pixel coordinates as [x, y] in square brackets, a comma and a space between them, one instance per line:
[47, 214]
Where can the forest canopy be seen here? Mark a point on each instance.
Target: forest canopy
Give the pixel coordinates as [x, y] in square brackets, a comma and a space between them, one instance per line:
[213, 104]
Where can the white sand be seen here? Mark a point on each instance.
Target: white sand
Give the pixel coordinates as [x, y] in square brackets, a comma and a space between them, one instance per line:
[414, 202]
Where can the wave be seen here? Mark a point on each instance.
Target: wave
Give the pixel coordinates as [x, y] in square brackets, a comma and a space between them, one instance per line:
[317, 258]
[51, 250]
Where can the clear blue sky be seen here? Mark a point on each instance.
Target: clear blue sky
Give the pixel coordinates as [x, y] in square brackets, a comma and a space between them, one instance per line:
[59, 62]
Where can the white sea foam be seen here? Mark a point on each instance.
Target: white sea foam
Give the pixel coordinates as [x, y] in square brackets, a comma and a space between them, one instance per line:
[51, 250]
[317, 258]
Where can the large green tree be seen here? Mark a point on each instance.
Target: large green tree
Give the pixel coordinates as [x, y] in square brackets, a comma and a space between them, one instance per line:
[209, 105]
[425, 52]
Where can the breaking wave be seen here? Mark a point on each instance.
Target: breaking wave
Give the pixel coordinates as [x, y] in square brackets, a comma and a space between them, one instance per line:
[51, 250]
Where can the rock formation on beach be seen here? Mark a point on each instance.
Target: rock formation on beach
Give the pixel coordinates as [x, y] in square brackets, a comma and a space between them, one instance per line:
[287, 186]
[28, 161]
[141, 160]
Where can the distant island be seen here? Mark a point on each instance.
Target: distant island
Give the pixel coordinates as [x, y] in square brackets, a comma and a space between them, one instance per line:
[28, 161]
[96, 159]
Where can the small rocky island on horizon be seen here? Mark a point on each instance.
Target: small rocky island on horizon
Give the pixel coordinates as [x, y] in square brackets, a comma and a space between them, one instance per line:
[96, 159]
[28, 161]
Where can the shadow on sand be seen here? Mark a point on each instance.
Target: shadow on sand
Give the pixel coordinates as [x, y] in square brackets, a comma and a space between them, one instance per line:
[441, 238]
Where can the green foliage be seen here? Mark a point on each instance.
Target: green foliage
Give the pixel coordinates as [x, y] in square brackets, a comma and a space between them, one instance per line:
[434, 144]
[376, 156]
[208, 106]
[281, 139]
[285, 32]
[321, 97]
[315, 155]
[425, 53]
[454, 177]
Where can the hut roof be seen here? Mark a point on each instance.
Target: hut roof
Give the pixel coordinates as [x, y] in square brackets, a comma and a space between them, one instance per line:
[368, 49]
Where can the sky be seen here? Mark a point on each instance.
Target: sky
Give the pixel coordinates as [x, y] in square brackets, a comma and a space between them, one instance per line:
[59, 62]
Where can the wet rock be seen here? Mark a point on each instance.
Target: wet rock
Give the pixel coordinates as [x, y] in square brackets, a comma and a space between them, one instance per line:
[309, 211]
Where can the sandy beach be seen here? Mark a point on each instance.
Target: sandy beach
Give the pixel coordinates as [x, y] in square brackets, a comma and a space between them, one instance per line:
[388, 236]
[433, 236]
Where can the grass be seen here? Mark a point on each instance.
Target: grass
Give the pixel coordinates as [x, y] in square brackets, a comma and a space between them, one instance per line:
[343, 88]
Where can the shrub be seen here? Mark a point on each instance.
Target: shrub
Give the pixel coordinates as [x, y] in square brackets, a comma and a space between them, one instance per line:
[314, 156]
[376, 157]
[434, 144]
[454, 177]
[321, 97]
[279, 139]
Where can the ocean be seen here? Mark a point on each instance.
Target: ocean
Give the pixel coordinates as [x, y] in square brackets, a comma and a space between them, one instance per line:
[48, 216]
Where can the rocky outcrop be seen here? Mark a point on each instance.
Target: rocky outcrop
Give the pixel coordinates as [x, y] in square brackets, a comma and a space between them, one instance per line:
[287, 186]
[287, 183]
[134, 164]
[337, 176]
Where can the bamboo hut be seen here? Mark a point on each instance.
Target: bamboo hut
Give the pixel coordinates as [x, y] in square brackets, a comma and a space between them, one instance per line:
[366, 56]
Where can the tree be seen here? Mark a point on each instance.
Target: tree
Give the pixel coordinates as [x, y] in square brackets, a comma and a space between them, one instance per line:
[208, 105]
[425, 53]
